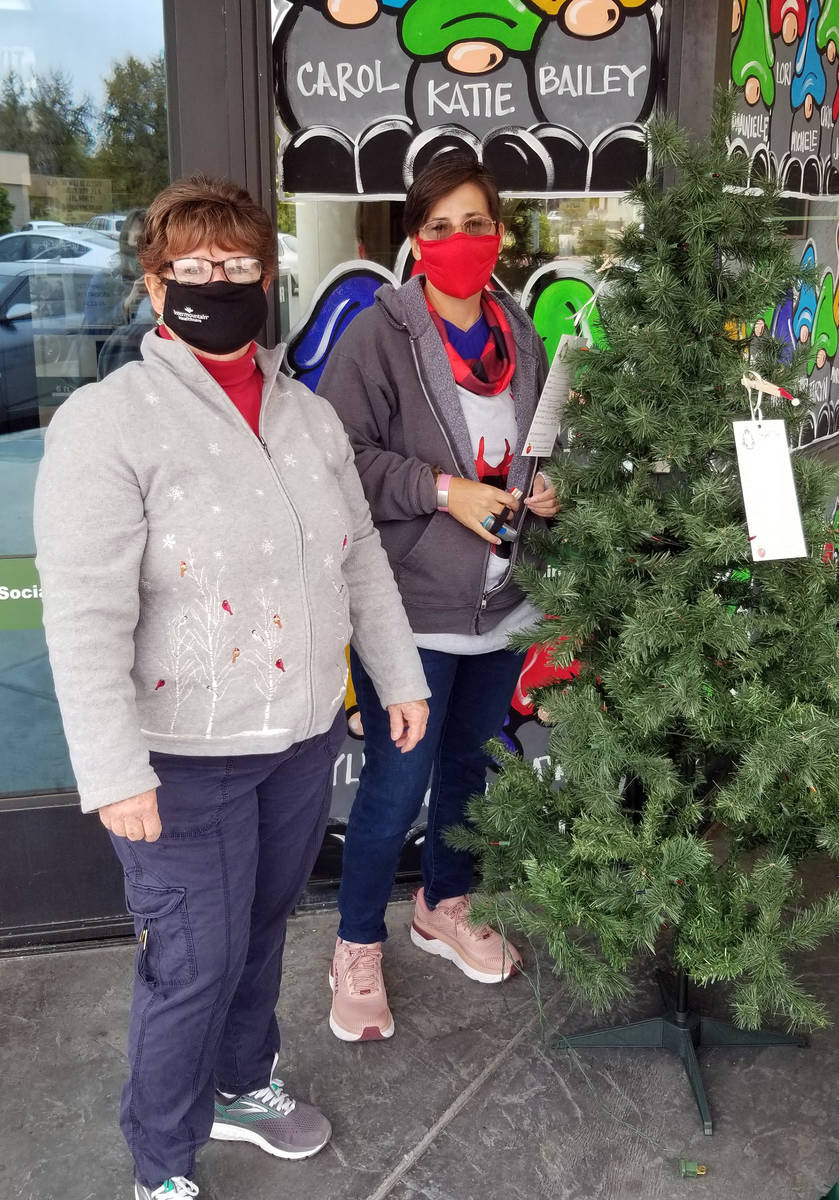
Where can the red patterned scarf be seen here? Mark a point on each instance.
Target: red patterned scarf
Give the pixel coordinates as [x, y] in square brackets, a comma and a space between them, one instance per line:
[492, 372]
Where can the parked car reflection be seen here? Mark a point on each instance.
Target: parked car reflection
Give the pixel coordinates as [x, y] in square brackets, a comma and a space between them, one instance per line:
[43, 352]
[68, 244]
[108, 223]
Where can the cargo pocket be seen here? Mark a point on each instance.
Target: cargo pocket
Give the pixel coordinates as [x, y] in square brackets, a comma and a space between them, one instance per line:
[165, 951]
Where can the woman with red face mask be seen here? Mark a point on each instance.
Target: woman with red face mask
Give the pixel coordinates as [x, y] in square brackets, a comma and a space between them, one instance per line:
[437, 384]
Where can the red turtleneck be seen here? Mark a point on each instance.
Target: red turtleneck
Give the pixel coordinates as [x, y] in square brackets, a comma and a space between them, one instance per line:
[239, 377]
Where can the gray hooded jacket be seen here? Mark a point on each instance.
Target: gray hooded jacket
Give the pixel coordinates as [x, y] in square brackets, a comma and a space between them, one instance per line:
[390, 382]
[200, 585]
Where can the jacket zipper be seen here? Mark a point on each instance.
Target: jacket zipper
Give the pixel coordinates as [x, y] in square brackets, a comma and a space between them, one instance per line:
[505, 578]
[302, 541]
[249, 433]
[485, 595]
[442, 427]
[458, 464]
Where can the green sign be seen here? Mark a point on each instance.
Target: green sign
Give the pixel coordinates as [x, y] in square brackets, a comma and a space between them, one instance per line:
[20, 594]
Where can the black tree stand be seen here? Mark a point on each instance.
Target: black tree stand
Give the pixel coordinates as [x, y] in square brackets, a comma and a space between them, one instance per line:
[682, 1030]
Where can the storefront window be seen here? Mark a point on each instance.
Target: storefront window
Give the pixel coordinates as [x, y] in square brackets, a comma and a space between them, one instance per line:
[83, 148]
[367, 92]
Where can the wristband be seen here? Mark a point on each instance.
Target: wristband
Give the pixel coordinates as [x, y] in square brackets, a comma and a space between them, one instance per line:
[443, 482]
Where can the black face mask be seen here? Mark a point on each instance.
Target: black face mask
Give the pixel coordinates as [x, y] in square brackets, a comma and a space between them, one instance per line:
[217, 318]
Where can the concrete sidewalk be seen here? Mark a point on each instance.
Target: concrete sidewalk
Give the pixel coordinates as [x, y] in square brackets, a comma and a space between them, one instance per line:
[468, 1101]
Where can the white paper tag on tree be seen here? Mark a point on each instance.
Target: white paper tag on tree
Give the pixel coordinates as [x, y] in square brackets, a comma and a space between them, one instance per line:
[769, 495]
[547, 420]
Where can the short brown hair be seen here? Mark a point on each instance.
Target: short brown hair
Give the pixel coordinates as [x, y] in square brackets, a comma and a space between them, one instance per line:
[440, 177]
[216, 211]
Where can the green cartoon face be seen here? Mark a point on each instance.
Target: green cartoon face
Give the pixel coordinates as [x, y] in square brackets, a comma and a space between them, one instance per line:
[827, 30]
[754, 55]
[557, 311]
[824, 326]
[474, 39]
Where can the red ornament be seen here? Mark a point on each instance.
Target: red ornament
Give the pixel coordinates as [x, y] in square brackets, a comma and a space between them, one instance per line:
[160, 683]
[279, 664]
[225, 604]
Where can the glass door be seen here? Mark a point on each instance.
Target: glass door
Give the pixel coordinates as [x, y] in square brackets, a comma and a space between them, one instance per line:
[83, 148]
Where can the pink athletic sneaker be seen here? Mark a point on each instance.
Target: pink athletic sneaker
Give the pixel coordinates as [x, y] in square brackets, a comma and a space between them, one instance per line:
[481, 953]
[359, 1000]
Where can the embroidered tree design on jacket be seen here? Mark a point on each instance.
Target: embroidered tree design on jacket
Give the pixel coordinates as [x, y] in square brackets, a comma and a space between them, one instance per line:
[212, 657]
[265, 653]
[181, 664]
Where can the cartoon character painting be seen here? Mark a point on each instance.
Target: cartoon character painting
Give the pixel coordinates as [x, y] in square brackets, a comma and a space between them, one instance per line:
[807, 319]
[784, 63]
[787, 18]
[809, 83]
[339, 298]
[754, 53]
[551, 94]
[824, 337]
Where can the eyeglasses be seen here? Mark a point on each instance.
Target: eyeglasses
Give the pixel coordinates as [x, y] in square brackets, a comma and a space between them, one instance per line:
[436, 231]
[200, 270]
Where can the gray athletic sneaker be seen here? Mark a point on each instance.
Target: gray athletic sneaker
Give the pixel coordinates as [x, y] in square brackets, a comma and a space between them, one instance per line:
[271, 1119]
[177, 1188]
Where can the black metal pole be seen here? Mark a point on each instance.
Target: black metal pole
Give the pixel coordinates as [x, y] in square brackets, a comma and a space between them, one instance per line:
[681, 996]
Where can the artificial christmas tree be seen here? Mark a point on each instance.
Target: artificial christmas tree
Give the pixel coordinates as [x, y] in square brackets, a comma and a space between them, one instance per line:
[696, 751]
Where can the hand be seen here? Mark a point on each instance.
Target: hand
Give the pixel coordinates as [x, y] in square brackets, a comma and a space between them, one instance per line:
[471, 503]
[407, 723]
[542, 500]
[135, 818]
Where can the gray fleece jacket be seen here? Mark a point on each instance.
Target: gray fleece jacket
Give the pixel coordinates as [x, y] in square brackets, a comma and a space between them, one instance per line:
[200, 585]
[390, 381]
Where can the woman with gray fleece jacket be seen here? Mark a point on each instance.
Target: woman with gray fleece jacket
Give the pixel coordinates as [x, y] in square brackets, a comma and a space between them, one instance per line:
[436, 384]
[206, 553]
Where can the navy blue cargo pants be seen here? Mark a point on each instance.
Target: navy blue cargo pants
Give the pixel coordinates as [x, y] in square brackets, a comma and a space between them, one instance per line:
[210, 901]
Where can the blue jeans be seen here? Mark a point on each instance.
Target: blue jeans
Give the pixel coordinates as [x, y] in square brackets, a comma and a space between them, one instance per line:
[470, 696]
[210, 901]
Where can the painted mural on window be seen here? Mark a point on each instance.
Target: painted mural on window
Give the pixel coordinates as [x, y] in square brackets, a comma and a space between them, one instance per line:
[785, 63]
[810, 317]
[550, 94]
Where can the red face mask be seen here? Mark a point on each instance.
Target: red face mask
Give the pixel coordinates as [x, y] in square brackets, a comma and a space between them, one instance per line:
[459, 265]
